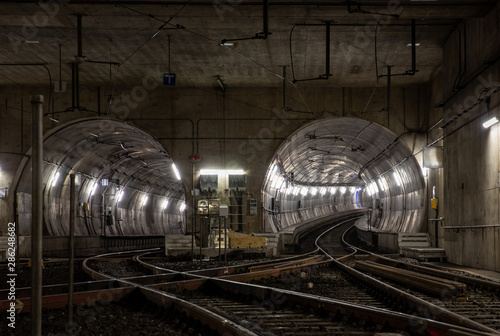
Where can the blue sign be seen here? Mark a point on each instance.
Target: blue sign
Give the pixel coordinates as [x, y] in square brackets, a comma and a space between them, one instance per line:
[169, 79]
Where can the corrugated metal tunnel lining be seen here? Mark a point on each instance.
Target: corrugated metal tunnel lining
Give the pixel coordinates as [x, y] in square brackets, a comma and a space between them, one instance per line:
[128, 183]
[341, 164]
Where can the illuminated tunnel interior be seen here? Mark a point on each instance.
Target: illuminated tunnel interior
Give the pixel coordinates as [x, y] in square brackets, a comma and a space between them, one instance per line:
[335, 165]
[129, 184]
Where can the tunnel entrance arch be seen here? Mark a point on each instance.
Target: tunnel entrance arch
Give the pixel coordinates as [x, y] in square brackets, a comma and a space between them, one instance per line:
[336, 165]
[128, 184]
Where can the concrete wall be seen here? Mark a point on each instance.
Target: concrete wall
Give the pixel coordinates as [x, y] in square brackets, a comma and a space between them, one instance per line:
[471, 173]
[241, 128]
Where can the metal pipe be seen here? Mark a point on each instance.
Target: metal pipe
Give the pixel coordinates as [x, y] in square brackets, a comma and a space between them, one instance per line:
[202, 221]
[37, 213]
[60, 68]
[79, 31]
[77, 85]
[218, 240]
[471, 227]
[22, 126]
[413, 48]
[284, 89]
[72, 217]
[225, 240]
[73, 85]
[388, 94]
[382, 4]
[98, 101]
[266, 18]
[193, 216]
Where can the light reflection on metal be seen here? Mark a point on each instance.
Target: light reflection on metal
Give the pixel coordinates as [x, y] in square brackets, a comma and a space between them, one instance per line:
[93, 189]
[119, 196]
[304, 191]
[320, 160]
[176, 171]
[55, 178]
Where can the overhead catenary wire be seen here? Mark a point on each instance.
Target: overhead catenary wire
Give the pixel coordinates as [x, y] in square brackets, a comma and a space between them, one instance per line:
[36, 64]
[216, 42]
[309, 111]
[145, 42]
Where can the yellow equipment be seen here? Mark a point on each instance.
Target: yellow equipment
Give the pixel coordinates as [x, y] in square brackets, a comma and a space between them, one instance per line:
[241, 240]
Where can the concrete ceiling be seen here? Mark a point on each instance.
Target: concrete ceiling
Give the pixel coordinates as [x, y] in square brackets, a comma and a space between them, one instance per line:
[135, 34]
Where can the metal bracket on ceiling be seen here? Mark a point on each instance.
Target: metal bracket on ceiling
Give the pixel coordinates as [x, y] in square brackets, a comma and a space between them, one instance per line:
[311, 136]
[258, 36]
[362, 11]
[357, 149]
[413, 71]
[327, 73]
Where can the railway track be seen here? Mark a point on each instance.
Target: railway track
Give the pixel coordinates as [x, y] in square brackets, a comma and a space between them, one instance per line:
[227, 301]
[475, 299]
[449, 295]
[222, 299]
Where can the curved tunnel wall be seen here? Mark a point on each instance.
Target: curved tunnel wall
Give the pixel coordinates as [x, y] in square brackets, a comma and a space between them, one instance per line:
[336, 165]
[128, 183]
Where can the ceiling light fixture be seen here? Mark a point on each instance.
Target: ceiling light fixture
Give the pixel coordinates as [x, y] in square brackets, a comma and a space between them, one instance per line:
[416, 45]
[491, 122]
[222, 172]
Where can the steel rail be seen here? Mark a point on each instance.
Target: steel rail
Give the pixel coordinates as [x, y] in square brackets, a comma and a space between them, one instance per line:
[205, 316]
[398, 295]
[227, 283]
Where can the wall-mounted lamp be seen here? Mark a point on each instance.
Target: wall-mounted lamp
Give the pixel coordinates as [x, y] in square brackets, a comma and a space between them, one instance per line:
[182, 207]
[491, 122]
[145, 200]
[164, 205]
